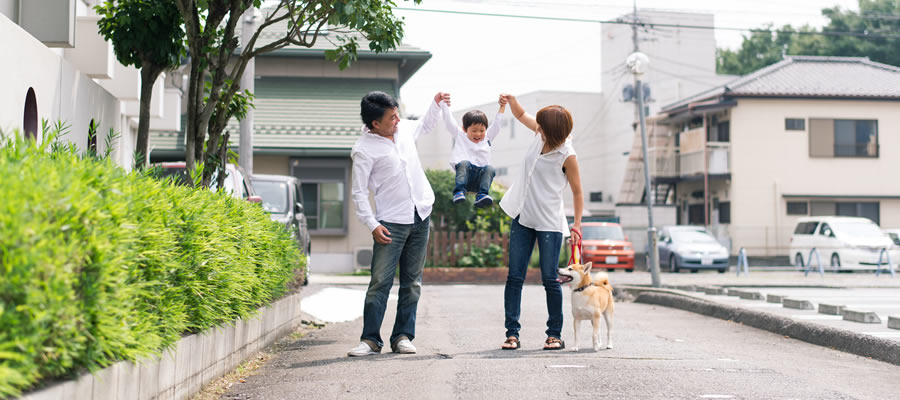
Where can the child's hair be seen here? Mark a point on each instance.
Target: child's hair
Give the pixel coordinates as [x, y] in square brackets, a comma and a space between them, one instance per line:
[556, 123]
[474, 117]
[374, 105]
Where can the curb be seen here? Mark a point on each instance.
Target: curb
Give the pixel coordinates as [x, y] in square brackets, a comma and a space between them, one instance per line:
[838, 339]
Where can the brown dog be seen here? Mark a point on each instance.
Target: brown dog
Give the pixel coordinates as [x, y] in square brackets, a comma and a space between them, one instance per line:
[591, 298]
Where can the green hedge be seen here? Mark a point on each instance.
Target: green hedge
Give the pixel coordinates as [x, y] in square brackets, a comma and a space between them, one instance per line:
[99, 265]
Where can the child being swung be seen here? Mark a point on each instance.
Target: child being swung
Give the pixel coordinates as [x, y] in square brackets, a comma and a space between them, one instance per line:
[471, 155]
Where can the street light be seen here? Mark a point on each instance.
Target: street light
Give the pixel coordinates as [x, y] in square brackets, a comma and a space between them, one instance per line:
[638, 63]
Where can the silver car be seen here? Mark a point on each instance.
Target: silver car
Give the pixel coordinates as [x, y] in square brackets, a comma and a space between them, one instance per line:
[283, 200]
[691, 247]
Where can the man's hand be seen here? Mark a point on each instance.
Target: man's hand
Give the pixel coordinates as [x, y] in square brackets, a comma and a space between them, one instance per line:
[381, 235]
[441, 96]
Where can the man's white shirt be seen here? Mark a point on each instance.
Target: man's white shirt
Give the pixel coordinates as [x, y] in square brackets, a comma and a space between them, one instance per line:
[392, 170]
[479, 154]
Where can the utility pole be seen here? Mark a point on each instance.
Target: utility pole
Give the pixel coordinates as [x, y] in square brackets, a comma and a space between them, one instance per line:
[637, 63]
[245, 145]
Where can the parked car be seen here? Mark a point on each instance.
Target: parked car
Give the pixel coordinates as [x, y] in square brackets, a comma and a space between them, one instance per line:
[283, 200]
[692, 248]
[606, 246]
[237, 181]
[842, 242]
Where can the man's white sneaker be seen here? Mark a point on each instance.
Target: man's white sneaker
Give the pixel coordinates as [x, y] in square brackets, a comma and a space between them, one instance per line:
[404, 346]
[362, 349]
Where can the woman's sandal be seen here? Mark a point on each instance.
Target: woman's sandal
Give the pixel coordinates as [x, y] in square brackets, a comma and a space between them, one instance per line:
[511, 343]
[548, 344]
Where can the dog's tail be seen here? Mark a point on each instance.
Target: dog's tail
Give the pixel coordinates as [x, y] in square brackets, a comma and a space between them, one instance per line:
[601, 279]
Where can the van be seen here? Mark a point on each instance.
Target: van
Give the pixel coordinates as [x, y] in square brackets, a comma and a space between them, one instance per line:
[841, 242]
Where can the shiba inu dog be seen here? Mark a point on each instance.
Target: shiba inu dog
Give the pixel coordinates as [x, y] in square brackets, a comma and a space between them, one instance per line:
[591, 298]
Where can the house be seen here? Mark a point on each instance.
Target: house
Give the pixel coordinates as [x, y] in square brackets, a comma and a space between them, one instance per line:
[306, 120]
[62, 70]
[805, 136]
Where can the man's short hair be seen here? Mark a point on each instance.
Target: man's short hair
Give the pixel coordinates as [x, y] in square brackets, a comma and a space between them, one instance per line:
[474, 117]
[374, 105]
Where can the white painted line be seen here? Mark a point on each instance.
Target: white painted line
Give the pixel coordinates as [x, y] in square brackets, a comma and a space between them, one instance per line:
[883, 334]
[717, 396]
[762, 305]
[567, 366]
[818, 317]
[336, 304]
[726, 359]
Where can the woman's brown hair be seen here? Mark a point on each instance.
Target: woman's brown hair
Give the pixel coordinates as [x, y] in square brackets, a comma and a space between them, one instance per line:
[556, 123]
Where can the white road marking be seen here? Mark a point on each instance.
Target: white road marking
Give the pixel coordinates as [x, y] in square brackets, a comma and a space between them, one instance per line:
[336, 304]
[821, 317]
[567, 366]
[717, 396]
[882, 334]
[726, 359]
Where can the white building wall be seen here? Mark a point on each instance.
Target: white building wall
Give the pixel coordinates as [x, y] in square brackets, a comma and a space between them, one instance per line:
[769, 162]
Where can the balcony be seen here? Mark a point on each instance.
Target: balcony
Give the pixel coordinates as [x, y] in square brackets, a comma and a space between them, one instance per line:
[690, 164]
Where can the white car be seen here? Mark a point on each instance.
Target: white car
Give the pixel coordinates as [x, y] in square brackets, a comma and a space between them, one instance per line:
[841, 242]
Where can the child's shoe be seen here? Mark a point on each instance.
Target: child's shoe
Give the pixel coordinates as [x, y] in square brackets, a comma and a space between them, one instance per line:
[483, 200]
[459, 197]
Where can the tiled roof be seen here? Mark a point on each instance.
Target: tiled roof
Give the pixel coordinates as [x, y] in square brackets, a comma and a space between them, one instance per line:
[810, 76]
[298, 113]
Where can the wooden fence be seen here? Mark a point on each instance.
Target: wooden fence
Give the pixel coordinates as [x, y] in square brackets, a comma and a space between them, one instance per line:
[446, 248]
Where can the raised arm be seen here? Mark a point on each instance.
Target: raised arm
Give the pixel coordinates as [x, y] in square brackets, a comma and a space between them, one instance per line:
[449, 122]
[520, 114]
[494, 129]
[431, 117]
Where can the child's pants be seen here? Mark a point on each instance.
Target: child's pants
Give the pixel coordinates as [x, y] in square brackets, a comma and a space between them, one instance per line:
[471, 178]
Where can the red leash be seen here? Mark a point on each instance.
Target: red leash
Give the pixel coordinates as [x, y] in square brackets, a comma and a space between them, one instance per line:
[575, 242]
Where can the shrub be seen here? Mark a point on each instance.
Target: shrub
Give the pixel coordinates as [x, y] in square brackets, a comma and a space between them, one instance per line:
[488, 257]
[99, 265]
[464, 217]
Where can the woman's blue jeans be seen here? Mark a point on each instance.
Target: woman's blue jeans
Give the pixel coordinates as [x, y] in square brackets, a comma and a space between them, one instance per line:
[521, 244]
[407, 251]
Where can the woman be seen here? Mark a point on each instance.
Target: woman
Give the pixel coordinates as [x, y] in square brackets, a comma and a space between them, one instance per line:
[535, 203]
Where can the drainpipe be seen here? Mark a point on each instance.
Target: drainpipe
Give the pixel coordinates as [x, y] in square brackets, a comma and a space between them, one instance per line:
[245, 146]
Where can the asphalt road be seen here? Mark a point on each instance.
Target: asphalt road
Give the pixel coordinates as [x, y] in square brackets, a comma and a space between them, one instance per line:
[659, 353]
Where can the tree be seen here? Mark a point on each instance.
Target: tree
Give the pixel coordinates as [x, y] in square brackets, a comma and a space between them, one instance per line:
[217, 65]
[148, 35]
[875, 20]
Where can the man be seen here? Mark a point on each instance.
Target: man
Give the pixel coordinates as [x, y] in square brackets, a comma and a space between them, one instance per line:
[385, 161]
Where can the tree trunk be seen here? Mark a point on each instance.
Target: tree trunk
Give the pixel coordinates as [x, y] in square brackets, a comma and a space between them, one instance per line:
[195, 96]
[148, 77]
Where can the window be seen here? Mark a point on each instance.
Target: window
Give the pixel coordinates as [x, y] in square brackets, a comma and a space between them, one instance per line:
[718, 131]
[324, 189]
[725, 212]
[325, 210]
[794, 124]
[843, 138]
[502, 171]
[30, 119]
[797, 208]
[825, 230]
[596, 196]
[870, 210]
[806, 228]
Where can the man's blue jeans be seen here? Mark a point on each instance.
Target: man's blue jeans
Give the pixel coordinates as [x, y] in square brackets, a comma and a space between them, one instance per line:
[470, 178]
[406, 250]
[521, 244]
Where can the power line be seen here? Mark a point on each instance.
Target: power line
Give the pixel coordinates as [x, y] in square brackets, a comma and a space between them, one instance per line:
[621, 21]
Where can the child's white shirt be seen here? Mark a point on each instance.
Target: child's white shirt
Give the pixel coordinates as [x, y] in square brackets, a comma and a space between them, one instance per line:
[479, 154]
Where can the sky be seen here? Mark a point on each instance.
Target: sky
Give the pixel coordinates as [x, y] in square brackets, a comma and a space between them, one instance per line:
[475, 58]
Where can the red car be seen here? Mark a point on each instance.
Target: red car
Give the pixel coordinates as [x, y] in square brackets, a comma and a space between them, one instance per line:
[606, 246]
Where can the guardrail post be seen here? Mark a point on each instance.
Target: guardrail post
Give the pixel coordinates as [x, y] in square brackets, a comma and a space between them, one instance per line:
[890, 265]
[809, 262]
[742, 265]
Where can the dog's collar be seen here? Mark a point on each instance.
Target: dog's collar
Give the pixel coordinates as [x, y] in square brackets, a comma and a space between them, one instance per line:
[584, 287]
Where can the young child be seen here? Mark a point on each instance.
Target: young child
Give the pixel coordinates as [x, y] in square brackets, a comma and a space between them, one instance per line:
[471, 155]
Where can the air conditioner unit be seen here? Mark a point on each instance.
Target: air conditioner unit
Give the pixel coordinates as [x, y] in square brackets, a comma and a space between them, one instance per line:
[362, 258]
